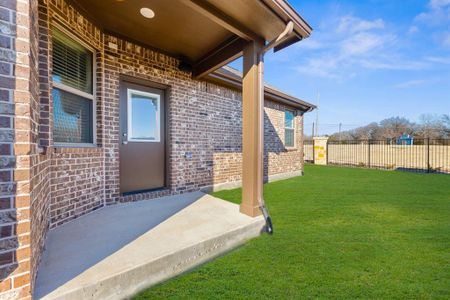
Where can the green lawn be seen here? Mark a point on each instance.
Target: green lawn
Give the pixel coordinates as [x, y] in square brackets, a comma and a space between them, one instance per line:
[339, 233]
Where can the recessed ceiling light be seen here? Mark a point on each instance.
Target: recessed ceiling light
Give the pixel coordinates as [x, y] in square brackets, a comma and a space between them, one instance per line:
[147, 12]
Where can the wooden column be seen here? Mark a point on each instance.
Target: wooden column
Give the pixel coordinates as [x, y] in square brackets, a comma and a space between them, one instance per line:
[252, 128]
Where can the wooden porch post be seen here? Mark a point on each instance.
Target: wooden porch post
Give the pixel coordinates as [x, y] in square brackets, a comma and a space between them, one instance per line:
[252, 128]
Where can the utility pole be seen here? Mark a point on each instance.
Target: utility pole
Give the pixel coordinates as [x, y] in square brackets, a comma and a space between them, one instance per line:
[312, 134]
[340, 127]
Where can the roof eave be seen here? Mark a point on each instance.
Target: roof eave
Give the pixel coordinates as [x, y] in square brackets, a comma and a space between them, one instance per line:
[224, 77]
[287, 13]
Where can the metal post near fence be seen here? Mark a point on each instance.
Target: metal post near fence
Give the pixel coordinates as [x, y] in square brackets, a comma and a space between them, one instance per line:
[428, 155]
[313, 152]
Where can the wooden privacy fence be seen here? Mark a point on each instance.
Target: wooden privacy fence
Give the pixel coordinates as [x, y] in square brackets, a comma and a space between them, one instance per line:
[418, 155]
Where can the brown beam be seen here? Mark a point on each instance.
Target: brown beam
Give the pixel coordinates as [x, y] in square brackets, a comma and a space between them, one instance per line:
[217, 16]
[219, 57]
[252, 129]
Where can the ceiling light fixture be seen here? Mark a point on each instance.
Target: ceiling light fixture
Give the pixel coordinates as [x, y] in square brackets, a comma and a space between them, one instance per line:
[147, 12]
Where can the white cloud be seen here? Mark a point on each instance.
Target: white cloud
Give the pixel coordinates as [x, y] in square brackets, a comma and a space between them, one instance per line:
[319, 67]
[438, 59]
[310, 43]
[392, 64]
[350, 24]
[413, 29]
[446, 39]
[439, 3]
[437, 14]
[364, 42]
[356, 44]
[411, 83]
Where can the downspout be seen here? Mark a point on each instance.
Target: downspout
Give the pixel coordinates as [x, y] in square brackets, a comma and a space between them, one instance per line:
[283, 35]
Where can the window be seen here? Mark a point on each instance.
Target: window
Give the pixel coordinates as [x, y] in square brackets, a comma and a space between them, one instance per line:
[73, 94]
[289, 129]
[143, 116]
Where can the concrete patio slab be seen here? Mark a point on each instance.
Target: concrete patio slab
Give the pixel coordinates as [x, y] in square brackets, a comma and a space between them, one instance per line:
[117, 251]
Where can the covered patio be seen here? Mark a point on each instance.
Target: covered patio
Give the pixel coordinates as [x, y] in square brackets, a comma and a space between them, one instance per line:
[206, 35]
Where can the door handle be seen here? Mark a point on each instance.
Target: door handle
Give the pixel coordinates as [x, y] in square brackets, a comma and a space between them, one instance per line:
[125, 138]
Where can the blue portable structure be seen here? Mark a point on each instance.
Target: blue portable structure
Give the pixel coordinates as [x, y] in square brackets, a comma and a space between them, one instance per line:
[405, 139]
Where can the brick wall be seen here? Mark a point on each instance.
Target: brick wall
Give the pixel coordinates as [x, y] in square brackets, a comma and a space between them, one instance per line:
[77, 174]
[203, 119]
[76, 183]
[19, 111]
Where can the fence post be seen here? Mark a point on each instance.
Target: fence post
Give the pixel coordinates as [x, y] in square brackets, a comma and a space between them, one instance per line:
[428, 155]
[320, 150]
[314, 153]
[368, 153]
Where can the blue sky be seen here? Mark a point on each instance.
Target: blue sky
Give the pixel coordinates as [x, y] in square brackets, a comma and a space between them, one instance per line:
[369, 60]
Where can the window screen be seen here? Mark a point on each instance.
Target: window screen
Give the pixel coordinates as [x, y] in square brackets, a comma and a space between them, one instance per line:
[72, 91]
[289, 129]
[72, 118]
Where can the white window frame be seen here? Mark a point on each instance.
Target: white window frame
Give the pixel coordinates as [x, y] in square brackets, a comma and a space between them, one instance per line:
[71, 90]
[293, 128]
[157, 97]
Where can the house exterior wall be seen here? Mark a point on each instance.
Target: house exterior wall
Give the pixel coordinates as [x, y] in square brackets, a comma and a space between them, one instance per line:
[43, 186]
[24, 172]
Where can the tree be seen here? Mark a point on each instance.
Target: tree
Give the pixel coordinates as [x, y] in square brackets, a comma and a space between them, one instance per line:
[431, 126]
[446, 121]
[396, 126]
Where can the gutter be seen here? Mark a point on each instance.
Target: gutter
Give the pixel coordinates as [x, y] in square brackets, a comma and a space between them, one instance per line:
[286, 13]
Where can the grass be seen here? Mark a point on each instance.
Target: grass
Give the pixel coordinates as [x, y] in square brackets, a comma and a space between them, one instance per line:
[339, 233]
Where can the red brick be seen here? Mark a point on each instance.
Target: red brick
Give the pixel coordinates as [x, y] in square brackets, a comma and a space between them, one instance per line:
[21, 280]
[23, 228]
[22, 254]
[5, 285]
[22, 267]
[21, 174]
[22, 201]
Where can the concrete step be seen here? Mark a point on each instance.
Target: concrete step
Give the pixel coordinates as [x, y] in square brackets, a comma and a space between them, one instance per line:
[200, 229]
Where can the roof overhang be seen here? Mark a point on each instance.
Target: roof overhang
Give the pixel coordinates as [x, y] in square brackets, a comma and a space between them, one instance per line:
[233, 79]
[204, 34]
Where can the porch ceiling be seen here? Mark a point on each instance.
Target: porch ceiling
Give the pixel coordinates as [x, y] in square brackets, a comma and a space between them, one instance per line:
[206, 34]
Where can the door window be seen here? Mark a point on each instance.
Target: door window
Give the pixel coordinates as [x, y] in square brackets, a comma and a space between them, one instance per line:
[143, 116]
